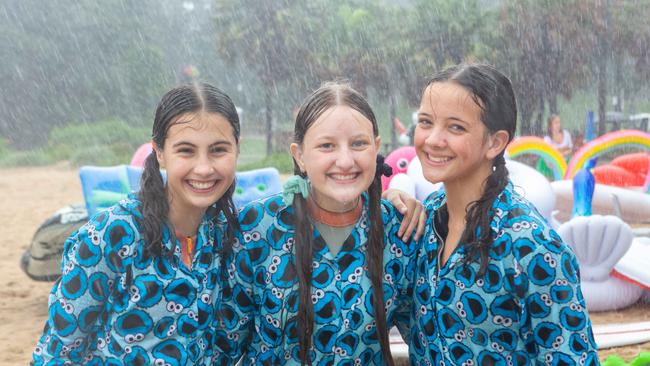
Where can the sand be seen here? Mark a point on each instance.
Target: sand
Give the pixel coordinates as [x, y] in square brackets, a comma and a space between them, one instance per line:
[29, 196]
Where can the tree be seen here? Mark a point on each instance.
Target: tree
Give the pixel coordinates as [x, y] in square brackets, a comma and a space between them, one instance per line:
[102, 62]
[264, 36]
[545, 49]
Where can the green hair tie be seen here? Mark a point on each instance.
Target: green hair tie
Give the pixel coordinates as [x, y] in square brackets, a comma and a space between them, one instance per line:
[295, 184]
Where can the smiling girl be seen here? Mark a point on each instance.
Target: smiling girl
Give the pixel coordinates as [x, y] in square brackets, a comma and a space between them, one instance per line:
[141, 279]
[321, 273]
[495, 285]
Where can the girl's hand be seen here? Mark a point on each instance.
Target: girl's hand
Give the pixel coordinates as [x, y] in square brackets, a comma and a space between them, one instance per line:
[411, 208]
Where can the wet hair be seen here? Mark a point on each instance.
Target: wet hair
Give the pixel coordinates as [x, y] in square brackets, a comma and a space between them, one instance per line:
[492, 92]
[191, 98]
[327, 96]
[549, 124]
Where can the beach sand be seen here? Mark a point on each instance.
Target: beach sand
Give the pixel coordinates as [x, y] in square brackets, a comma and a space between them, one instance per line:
[31, 195]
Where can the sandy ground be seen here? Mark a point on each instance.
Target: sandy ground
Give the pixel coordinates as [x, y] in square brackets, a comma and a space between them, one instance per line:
[29, 196]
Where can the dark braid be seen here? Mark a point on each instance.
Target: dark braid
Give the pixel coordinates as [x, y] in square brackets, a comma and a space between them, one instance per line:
[304, 256]
[375, 264]
[493, 93]
[155, 206]
[480, 213]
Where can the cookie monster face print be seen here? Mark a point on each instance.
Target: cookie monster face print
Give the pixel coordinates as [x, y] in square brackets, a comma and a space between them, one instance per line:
[526, 308]
[265, 290]
[116, 305]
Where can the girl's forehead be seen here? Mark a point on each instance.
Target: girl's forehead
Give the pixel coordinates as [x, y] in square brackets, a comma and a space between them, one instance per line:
[340, 118]
[448, 93]
[201, 122]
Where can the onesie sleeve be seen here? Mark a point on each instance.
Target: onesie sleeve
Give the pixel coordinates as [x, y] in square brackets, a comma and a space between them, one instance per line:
[92, 260]
[556, 326]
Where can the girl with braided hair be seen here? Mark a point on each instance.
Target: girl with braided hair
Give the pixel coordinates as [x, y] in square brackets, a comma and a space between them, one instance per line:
[141, 280]
[495, 285]
[321, 273]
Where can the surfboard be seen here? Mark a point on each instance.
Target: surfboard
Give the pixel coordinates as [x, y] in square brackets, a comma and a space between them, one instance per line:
[606, 335]
[633, 266]
[621, 334]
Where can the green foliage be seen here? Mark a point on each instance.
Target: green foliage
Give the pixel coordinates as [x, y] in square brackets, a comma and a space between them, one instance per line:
[282, 161]
[37, 157]
[109, 142]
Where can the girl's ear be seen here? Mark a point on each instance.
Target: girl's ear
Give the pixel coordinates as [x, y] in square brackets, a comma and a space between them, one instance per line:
[296, 153]
[497, 143]
[159, 155]
[378, 143]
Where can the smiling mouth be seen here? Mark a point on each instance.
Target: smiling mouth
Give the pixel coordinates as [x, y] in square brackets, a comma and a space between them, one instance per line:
[344, 177]
[202, 186]
[438, 159]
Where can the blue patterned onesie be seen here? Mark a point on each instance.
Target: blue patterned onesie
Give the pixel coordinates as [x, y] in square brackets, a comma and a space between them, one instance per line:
[263, 304]
[115, 306]
[526, 310]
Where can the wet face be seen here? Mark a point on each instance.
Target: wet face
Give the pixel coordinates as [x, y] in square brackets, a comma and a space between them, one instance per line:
[199, 156]
[338, 153]
[451, 141]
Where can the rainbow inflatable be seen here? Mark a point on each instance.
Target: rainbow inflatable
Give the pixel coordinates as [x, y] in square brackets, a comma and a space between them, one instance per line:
[606, 143]
[537, 146]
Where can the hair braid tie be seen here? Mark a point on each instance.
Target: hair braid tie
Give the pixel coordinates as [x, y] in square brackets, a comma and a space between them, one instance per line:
[383, 168]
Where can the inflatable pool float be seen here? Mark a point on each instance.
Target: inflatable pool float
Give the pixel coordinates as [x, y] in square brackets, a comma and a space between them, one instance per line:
[632, 206]
[399, 160]
[599, 242]
[629, 170]
[532, 145]
[613, 141]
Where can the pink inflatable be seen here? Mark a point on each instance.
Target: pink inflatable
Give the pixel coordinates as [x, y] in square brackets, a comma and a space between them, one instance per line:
[141, 154]
[399, 160]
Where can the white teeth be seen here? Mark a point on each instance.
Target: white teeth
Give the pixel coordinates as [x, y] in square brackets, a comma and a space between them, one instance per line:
[343, 176]
[438, 159]
[201, 185]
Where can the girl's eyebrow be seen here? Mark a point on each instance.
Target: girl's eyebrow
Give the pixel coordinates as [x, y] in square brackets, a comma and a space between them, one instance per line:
[454, 118]
[187, 143]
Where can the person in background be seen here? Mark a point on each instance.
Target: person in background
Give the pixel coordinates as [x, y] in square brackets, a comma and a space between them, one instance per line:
[141, 279]
[557, 136]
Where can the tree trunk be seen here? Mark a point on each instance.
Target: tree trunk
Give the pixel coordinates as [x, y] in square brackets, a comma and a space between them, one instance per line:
[603, 43]
[552, 103]
[268, 115]
[392, 111]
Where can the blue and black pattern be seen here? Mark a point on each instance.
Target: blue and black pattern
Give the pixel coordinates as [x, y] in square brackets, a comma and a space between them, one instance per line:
[264, 299]
[526, 309]
[115, 305]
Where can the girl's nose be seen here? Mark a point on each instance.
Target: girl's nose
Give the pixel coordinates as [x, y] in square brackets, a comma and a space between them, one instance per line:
[344, 159]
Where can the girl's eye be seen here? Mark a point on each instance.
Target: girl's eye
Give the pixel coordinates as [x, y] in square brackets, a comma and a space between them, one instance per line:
[457, 128]
[326, 145]
[424, 122]
[185, 151]
[218, 150]
[360, 143]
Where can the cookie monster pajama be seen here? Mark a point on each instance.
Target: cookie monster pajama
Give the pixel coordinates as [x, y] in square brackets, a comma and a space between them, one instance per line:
[116, 305]
[527, 309]
[263, 304]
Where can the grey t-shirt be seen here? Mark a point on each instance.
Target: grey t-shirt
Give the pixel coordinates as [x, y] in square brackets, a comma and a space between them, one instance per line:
[334, 236]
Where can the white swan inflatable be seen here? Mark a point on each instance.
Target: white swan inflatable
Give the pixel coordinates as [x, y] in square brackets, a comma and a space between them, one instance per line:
[599, 243]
